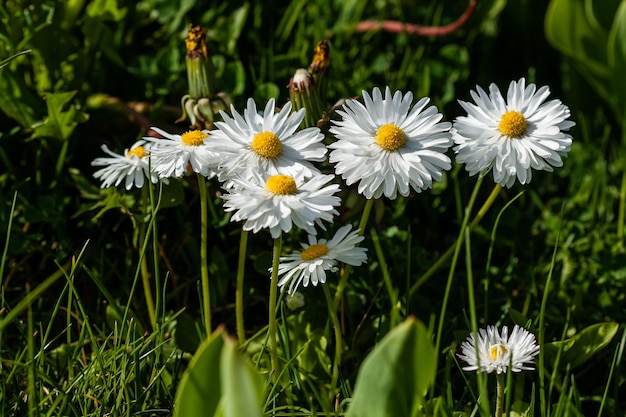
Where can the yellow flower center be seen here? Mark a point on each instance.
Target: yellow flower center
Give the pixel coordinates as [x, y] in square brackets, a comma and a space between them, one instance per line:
[513, 124]
[139, 152]
[313, 252]
[281, 185]
[390, 137]
[267, 144]
[194, 137]
[497, 351]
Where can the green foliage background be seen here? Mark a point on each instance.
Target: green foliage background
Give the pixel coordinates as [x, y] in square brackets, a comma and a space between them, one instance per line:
[104, 71]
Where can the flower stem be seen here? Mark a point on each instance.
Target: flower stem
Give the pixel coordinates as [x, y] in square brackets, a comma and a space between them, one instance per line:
[243, 243]
[145, 273]
[338, 341]
[499, 394]
[456, 249]
[346, 272]
[444, 258]
[204, 268]
[272, 306]
[622, 208]
[393, 298]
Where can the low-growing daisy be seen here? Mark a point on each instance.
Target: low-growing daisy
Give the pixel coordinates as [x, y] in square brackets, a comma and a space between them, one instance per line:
[491, 351]
[388, 148]
[277, 202]
[132, 167]
[268, 143]
[311, 263]
[172, 155]
[514, 136]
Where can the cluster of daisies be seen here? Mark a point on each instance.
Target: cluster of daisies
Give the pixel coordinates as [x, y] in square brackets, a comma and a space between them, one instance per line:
[384, 144]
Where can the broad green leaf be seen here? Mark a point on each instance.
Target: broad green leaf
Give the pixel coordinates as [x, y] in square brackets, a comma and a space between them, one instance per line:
[200, 391]
[573, 30]
[242, 386]
[582, 346]
[219, 382]
[60, 123]
[617, 58]
[17, 100]
[396, 375]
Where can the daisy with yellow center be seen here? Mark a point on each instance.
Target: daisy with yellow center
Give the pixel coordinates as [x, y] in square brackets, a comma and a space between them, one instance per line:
[491, 351]
[389, 148]
[132, 167]
[318, 256]
[512, 136]
[174, 154]
[269, 142]
[279, 202]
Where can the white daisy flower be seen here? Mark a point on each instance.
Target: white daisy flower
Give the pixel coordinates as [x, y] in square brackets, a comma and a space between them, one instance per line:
[513, 136]
[387, 148]
[311, 263]
[278, 202]
[132, 167]
[172, 155]
[268, 143]
[491, 351]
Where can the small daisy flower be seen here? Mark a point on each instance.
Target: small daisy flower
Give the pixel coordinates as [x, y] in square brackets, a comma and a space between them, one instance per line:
[514, 136]
[268, 143]
[172, 155]
[387, 148]
[132, 167]
[491, 351]
[278, 202]
[311, 263]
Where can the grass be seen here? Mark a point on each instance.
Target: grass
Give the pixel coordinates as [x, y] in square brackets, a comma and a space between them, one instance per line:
[77, 334]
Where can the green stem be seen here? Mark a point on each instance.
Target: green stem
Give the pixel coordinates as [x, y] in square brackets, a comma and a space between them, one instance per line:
[272, 306]
[393, 298]
[145, 272]
[541, 331]
[499, 394]
[346, 273]
[204, 268]
[444, 258]
[243, 244]
[457, 249]
[622, 208]
[338, 341]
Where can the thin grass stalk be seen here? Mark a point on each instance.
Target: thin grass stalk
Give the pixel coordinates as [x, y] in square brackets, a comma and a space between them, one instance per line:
[393, 298]
[204, 266]
[145, 272]
[622, 208]
[241, 266]
[6, 243]
[457, 249]
[608, 382]
[338, 342]
[491, 246]
[482, 393]
[32, 371]
[152, 226]
[272, 306]
[444, 258]
[343, 280]
[542, 322]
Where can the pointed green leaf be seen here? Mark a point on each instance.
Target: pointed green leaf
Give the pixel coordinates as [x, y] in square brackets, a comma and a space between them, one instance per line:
[396, 375]
[60, 123]
[578, 349]
[219, 382]
[242, 386]
[199, 391]
[617, 58]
